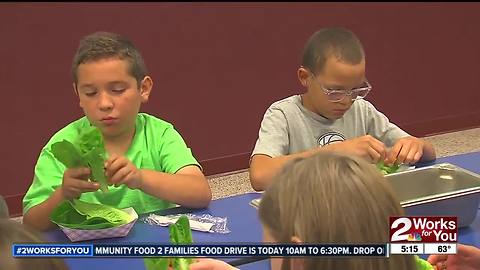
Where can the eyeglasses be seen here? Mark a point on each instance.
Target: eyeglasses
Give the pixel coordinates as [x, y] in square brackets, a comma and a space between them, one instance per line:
[337, 95]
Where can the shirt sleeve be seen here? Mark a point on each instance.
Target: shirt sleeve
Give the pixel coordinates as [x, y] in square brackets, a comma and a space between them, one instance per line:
[47, 178]
[273, 139]
[174, 153]
[381, 128]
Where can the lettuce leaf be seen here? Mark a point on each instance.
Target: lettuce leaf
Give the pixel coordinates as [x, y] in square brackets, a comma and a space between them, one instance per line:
[68, 154]
[156, 263]
[423, 264]
[384, 169]
[180, 233]
[87, 150]
[78, 214]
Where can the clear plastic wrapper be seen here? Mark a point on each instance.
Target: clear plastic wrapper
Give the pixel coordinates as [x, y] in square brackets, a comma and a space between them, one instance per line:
[204, 222]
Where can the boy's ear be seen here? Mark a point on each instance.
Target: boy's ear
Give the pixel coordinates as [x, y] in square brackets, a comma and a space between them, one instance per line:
[303, 74]
[146, 88]
[297, 263]
[296, 240]
[75, 90]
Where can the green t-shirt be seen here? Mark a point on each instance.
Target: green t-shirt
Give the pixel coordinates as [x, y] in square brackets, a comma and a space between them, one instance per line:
[156, 146]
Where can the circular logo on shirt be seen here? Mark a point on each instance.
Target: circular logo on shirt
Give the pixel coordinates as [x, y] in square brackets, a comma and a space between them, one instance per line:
[329, 138]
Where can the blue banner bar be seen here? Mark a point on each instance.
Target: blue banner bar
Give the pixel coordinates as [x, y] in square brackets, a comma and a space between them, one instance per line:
[52, 250]
[197, 250]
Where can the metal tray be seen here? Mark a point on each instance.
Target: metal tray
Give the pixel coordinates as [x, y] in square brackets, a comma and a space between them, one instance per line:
[438, 190]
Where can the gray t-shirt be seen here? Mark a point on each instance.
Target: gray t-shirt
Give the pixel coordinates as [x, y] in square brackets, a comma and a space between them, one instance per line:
[288, 127]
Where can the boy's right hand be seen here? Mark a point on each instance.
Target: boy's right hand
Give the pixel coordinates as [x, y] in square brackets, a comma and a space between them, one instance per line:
[75, 182]
[366, 146]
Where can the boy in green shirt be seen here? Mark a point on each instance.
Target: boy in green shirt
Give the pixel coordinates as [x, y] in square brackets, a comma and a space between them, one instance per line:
[149, 165]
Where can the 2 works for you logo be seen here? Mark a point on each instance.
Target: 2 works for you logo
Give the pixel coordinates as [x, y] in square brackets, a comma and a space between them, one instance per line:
[423, 229]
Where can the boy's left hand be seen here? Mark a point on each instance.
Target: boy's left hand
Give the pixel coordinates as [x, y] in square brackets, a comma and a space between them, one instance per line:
[407, 150]
[120, 170]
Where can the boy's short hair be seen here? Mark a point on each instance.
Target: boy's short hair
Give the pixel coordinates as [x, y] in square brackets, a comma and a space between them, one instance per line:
[334, 41]
[102, 45]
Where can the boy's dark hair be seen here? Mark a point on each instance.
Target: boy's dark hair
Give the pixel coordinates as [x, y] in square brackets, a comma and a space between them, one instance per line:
[101, 45]
[334, 41]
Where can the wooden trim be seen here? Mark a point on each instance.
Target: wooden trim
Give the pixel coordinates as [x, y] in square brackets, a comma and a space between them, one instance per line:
[442, 125]
[226, 164]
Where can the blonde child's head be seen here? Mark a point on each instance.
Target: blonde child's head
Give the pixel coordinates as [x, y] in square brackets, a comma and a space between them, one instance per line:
[332, 198]
[13, 232]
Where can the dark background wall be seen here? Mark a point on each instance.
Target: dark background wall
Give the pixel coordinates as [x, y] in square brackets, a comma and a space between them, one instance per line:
[217, 67]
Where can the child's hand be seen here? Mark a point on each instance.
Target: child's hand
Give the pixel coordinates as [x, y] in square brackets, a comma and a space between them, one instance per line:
[366, 146]
[407, 150]
[75, 182]
[120, 170]
[211, 264]
[467, 258]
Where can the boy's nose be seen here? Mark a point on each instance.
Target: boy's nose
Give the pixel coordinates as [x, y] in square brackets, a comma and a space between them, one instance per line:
[346, 101]
[105, 102]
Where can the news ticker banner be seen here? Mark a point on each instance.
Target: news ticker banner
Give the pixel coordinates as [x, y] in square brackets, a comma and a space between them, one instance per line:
[408, 235]
[299, 250]
[213, 250]
[423, 235]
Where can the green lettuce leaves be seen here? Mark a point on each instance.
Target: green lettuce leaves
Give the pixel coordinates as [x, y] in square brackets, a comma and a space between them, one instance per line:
[76, 214]
[384, 169]
[423, 264]
[156, 263]
[180, 233]
[87, 150]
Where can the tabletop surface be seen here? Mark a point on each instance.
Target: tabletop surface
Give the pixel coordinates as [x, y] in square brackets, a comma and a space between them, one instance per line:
[242, 222]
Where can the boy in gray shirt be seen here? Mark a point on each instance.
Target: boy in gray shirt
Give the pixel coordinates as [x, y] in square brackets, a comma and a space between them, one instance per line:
[332, 115]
